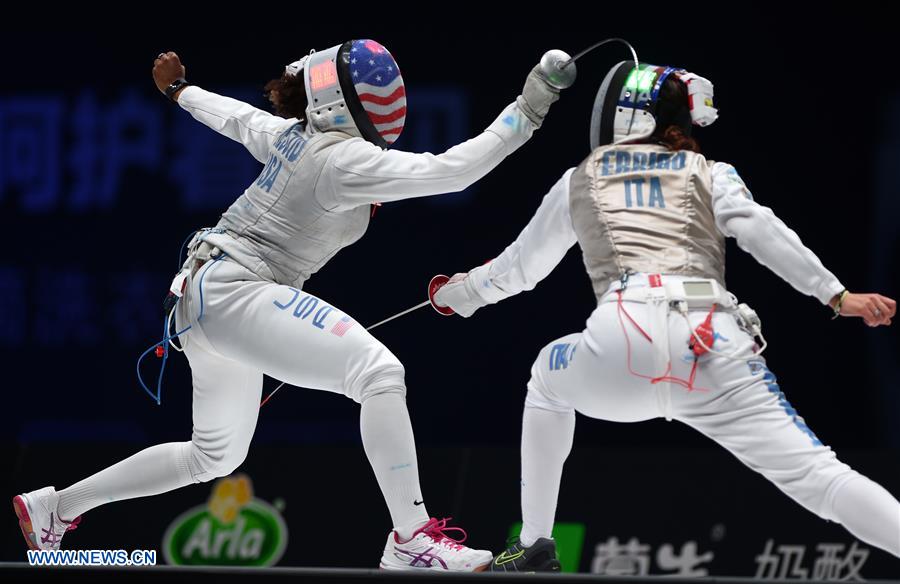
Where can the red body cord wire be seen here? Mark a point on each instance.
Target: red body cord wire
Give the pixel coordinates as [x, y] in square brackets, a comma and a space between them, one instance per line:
[686, 383]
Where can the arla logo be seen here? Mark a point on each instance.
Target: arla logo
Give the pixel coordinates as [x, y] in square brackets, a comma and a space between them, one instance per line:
[232, 529]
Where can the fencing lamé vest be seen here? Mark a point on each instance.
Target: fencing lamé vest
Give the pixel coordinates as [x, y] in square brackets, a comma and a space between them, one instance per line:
[644, 208]
[277, 228]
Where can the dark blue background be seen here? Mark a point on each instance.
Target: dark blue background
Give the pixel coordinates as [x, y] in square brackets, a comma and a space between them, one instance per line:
[101, 179]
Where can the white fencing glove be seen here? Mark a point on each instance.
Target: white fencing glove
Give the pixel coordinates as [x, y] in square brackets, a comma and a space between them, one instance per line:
[459, 295]
[466, 293]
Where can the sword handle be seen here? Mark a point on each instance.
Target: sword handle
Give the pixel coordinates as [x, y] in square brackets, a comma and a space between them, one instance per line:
[434, 285]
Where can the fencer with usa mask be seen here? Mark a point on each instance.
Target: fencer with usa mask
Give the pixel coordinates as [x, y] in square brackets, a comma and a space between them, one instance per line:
[242, 302]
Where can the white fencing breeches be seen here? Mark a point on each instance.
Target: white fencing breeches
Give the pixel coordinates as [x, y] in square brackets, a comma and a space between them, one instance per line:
[242, 327]
[736, 403]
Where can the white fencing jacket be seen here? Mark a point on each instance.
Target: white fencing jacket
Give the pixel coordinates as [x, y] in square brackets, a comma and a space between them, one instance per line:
[313, 196]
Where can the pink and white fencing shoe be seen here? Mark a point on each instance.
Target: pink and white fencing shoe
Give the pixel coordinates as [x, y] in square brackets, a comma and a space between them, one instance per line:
[431, 549]
[40, 523]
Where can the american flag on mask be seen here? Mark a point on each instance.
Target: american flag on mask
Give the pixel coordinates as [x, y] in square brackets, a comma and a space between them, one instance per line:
[379, 86]
[341, 327]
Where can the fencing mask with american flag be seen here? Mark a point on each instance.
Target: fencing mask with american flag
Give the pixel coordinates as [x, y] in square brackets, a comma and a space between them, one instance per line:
[355, 88]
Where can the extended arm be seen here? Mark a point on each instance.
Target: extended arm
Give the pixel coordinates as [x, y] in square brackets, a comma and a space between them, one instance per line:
[773, 244]
[360, 173]
[252, 127]
[529, 259]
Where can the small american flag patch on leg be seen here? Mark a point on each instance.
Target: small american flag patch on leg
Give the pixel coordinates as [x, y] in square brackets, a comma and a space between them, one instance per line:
[342, 326]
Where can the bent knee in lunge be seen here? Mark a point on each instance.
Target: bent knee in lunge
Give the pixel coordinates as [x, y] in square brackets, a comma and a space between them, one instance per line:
[374, 371]
[539, 396]
[209, 461]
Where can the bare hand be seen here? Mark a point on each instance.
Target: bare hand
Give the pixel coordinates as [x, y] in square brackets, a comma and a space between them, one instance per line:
[874, 309]
[166, 69]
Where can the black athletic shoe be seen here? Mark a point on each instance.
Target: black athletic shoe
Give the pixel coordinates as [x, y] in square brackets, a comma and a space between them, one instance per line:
[540, 557]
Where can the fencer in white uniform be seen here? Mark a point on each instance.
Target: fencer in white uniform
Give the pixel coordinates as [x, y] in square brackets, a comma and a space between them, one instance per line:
[666, 340]
[244, 306]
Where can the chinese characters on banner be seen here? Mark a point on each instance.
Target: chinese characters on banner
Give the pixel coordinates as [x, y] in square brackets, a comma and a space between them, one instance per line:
[71, 155]
[831, 561]
[632, 558]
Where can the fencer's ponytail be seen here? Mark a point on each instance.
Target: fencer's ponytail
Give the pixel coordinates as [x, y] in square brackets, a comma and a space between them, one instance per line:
[288, 96]
[674, 138]
[673, 128]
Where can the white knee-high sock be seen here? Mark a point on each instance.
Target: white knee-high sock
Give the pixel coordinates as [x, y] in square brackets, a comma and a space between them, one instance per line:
[869, 512]
[546, 442]
[389, 443]
[151, 471]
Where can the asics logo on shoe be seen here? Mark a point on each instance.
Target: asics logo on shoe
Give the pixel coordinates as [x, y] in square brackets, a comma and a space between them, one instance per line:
[506, 557]
[50, 537]
[417, 503]
[423, 560]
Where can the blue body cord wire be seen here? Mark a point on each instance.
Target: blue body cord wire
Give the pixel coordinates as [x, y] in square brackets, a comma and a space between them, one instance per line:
[157, 397]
